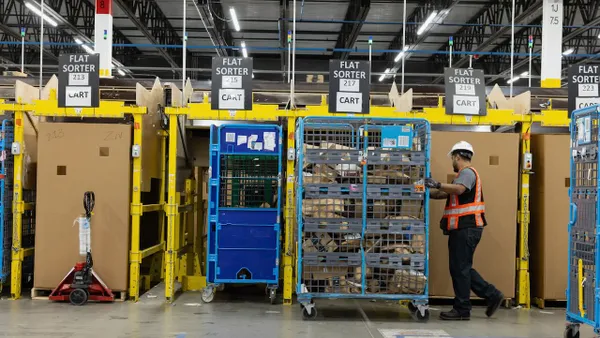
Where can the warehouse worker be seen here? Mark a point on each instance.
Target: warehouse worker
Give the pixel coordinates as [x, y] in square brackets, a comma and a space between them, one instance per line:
[463, 222]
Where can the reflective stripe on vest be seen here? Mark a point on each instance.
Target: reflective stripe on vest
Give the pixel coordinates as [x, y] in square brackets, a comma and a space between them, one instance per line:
[454, 210]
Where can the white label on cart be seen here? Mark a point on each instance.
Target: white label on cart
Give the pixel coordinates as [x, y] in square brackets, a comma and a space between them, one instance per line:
[403, 141]
[269, 138]
[252, 141]
[229, 137]
[242, 139]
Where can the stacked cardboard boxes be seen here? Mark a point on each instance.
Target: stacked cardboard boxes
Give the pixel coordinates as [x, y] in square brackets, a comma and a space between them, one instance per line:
[497, 162]
[549, 240]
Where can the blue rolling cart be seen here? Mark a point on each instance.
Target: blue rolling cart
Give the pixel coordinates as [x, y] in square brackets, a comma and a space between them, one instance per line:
[362, 210]
[583, 304]
[244, 207]
[6, 214]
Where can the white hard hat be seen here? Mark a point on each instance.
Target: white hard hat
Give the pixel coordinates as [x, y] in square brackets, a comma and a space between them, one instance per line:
[462, 145]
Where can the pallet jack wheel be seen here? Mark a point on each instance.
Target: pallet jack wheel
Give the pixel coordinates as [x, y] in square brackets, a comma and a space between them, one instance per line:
[572, 331]
[78, 297]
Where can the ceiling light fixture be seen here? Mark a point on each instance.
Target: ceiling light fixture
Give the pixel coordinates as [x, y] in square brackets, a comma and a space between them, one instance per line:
[85, 47]
[384, 74]
[38, 12]
[236, 23]
[244, 50]
[568, 51]
[427, 22]
[401, 54]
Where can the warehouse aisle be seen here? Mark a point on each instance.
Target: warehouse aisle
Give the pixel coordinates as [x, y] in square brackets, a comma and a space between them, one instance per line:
[228, 318]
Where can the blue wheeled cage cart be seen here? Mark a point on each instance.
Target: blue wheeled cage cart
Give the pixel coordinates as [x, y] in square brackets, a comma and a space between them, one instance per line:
[362, 210]
[583, 299]
[6, 211]
[244, 206]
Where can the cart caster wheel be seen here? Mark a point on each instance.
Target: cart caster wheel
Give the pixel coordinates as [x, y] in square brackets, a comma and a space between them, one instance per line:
[221, 287]
[208, 295]
[273, 296]
[422, 317]
[412, 308]
[78, 297]
[309, 316]
[572, 331]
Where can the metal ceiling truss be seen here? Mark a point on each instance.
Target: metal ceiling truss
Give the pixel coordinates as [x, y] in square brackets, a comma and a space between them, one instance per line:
[155, 26]
[283, 29]
[584, 40]
[482, 31]
[217, 27]
[355, 16]
[16, 9]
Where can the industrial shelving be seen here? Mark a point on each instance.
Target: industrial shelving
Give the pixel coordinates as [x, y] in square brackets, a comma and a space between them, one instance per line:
[435, 116]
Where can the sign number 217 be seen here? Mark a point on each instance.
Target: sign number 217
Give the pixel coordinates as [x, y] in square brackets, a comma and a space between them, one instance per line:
[349, 85]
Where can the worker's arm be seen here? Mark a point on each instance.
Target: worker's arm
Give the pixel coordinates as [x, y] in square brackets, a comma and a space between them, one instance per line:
[452, 189]
[438, 195]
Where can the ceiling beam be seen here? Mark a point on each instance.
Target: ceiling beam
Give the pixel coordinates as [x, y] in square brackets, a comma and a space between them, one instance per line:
[584, 40]
[469, 38]
[356, 14]
[218, 29]
[149, 19]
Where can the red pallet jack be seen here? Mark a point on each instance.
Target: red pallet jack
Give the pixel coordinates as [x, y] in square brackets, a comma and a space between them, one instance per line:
[82, 284]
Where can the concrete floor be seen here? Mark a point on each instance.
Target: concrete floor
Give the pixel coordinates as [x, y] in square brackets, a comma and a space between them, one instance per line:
[235, 316]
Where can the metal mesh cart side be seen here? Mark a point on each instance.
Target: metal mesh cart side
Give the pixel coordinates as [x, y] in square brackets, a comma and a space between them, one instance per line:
[6, 214]
[244, 207]
[362, 210]
[582, 297]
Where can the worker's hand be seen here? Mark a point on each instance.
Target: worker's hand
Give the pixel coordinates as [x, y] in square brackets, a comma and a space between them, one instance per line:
[431, 183]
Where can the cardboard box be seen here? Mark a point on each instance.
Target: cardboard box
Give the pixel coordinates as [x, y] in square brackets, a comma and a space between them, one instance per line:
[321, 173]
[83, 159]
[322, 244]
[549, 241]
[377, 209]
[498, 167]
[327, 205]
[324, 273]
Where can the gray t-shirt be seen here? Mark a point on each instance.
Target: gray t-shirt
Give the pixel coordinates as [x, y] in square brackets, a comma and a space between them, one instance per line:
[467, 178]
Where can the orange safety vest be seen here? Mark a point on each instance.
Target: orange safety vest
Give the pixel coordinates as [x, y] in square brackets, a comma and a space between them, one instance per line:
[461, 210]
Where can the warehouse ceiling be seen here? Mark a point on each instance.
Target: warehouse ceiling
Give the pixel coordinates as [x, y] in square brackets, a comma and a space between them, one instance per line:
[148, 34]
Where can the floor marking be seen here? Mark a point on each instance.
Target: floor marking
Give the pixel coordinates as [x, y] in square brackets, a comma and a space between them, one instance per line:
[395, 333]
[193, 304]
[366, 319]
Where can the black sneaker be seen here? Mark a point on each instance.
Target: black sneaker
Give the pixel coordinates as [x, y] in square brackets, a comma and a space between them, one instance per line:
[494, 304]
[454, 315]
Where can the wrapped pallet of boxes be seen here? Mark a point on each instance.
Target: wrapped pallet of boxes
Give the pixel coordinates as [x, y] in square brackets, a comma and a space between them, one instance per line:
[549, 241]
[498, 167]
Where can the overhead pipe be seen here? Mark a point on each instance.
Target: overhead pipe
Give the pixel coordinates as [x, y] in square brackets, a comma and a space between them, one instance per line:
[451, 24]
[267, 71]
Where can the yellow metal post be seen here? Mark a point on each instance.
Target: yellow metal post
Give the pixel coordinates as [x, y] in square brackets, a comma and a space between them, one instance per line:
[288, 249]
[523, 292]
[161, 200]
[190, 192]
[135, 256]
[18, 209]
[171, 209]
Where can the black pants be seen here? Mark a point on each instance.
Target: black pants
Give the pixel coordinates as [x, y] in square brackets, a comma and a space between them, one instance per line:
[461, 248]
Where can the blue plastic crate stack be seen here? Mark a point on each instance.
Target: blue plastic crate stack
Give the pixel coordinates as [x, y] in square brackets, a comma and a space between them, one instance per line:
[6, 214]
[363, 218]
[244, 207]
[583, 304]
